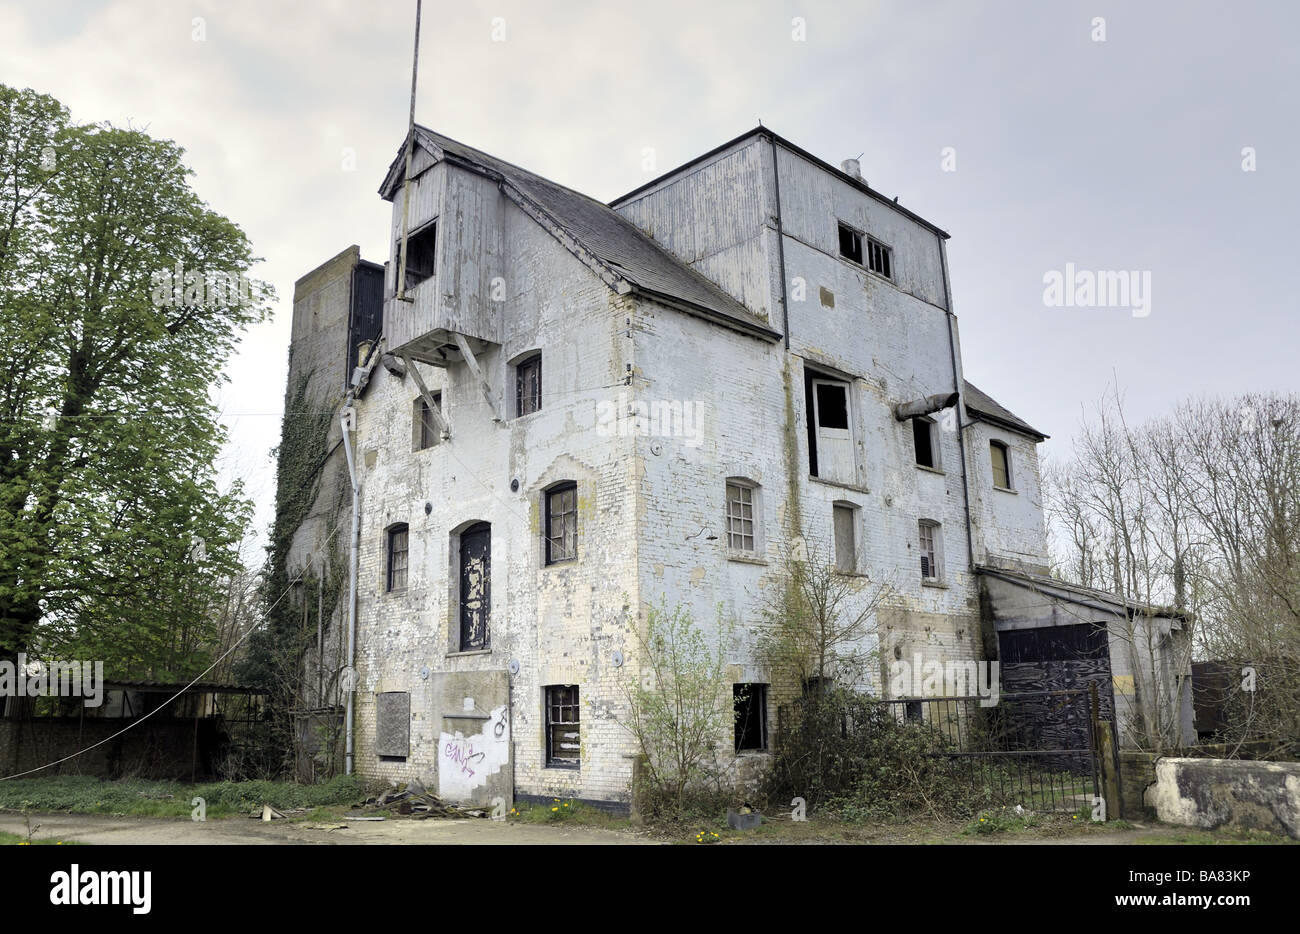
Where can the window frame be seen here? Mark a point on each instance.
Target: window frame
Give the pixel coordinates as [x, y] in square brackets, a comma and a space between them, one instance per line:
[818, 463]
[390, 557]
[871, 248]
[749, 490]
[426, 433]
[570, 555]
[550, 707]
[522, 366]
[459, 642]
[935, 554]
[931, 430]
[425, 231]
[742, 692]
[1002, 446]
[857, 242]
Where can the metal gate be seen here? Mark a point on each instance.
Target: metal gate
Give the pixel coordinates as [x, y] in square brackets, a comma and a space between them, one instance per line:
[1038, 749]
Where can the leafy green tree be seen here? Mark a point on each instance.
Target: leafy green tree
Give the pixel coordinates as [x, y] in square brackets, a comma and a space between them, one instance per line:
[122, 295]
[677, 709]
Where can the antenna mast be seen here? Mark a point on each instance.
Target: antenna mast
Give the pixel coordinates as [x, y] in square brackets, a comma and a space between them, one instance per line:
[410, 149]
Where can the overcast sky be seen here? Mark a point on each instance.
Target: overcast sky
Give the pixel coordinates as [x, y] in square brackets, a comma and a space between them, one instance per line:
[1123, 154]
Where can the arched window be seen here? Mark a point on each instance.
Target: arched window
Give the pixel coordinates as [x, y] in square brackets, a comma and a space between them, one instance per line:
[475, 587]
[396, 561]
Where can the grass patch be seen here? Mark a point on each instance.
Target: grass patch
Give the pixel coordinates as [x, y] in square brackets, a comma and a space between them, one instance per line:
[80, 794]
[566, 811]
[13, 839]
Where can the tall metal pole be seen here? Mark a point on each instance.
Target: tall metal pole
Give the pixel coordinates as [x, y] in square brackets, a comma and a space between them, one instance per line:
[410, 149]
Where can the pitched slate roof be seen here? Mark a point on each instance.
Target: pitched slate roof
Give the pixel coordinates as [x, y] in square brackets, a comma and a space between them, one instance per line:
[608, 236]
[984, 407]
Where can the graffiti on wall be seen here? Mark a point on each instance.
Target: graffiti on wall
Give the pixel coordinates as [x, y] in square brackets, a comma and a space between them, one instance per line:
[467, 762]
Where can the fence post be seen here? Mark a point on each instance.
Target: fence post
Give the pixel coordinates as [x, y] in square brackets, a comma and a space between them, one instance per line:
[1109, 771]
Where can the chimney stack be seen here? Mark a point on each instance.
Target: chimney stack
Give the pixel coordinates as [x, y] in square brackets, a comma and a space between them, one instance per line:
[852, 167]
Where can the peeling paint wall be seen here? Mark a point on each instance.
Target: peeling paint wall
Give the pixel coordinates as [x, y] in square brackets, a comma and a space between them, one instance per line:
[561, 624]
[651, 512]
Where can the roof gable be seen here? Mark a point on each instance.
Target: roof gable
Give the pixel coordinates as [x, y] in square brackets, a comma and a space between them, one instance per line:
[983, 407]
[597, 230]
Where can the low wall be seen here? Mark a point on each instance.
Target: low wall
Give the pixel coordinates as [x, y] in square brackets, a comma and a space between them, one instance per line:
[1233, 793]
[1137, 770]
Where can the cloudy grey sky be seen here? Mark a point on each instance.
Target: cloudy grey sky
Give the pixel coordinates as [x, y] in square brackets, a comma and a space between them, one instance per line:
[1123, 154]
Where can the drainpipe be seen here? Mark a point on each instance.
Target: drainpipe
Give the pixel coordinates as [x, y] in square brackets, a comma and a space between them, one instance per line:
[961, 406]
[780, 248]
[347, 419]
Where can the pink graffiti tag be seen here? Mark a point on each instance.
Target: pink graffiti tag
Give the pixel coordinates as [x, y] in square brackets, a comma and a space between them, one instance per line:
[462, 755]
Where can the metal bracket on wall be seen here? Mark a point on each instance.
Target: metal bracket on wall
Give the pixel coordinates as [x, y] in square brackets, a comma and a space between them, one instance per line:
[443, 428]
[472, 362]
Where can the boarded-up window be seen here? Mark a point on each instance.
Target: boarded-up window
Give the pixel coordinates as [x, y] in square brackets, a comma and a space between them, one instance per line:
[562, 523]
[563, 741]
[1001, 465]
[398, 553]
[393, 724]
[740, 516]
[750, 702]
[528, 386]
[846, 546]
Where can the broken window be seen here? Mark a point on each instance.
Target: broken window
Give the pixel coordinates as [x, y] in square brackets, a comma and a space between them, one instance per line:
[563, 741]
[844, 516]
[879, 258]
[475, 587]
[850, 244]
[427, 433]
[1001, 465]
[750, 702]
[931, 549]
[830, 436]
[398, 545]
[419, 254]
[923, 441]
[528, 385]
[562, 523]
[740, 515]
[913, 712]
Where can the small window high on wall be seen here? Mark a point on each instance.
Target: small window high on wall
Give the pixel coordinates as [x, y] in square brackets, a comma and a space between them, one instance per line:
[420, 247]
[1001, 459]
[528, 385]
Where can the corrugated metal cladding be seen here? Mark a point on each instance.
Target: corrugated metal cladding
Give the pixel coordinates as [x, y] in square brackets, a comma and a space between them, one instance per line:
[367, 314]
[393, 723]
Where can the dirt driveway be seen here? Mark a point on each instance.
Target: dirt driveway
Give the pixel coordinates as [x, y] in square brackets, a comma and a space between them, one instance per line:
[100, 829]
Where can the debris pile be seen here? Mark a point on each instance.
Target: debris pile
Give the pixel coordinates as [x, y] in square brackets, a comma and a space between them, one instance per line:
[414, 801]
